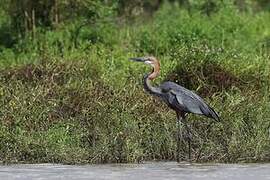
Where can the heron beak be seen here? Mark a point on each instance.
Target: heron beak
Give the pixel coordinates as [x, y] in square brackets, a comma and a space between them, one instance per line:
[138, 59]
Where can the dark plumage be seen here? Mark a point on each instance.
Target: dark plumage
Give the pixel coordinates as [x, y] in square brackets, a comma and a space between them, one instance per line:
[178, 98]
[184, 100]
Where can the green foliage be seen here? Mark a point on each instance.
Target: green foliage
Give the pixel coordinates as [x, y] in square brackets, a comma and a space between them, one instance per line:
[70, 95]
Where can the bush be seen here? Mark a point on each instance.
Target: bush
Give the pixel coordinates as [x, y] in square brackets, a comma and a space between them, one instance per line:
[72, 96]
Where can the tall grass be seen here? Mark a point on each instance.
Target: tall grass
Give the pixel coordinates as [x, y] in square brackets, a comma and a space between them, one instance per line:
[84, 103]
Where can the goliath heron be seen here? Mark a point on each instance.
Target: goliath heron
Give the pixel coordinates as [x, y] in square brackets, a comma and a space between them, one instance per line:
[178, 98]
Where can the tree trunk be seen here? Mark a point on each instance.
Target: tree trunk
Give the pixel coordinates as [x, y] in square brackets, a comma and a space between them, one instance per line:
[241, 4]
[33, 24]
[26, 18]
[56, 13]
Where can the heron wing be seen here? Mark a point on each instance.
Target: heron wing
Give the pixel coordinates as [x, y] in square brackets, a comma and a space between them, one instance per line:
[189, 101]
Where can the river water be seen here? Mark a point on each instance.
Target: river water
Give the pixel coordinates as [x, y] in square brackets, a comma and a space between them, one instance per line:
[145, 171]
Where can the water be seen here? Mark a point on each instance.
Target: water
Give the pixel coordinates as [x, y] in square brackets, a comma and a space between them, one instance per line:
[155, 171]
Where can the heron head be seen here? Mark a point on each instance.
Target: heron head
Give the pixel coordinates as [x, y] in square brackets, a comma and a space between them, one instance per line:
[147, 60]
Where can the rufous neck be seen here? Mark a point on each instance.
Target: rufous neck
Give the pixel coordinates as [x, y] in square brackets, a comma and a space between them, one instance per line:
[155, 72]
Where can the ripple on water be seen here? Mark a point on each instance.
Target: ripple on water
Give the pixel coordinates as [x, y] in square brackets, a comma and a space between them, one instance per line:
[144, 171]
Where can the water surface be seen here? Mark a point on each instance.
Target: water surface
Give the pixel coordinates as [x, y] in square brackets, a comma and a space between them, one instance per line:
[145, 171]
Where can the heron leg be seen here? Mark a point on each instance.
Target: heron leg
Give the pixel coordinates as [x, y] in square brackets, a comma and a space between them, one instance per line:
[179, 136]
[188, 137]
[178, 139]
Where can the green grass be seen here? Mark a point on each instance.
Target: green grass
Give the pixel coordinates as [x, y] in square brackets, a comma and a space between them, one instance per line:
[86, 104]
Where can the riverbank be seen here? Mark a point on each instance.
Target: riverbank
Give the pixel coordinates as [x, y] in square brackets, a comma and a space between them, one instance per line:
[161, 170]
[86, 104]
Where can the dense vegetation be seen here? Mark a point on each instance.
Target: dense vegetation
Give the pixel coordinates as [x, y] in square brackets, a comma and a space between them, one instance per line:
[69, 94]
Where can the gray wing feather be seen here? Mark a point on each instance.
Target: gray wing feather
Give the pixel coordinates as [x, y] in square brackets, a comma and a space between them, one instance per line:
[188, 101]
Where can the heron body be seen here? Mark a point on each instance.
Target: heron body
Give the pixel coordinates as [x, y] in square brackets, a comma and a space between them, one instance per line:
[178, 98]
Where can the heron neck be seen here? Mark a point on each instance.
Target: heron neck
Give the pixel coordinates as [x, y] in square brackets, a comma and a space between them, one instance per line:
[155, 72]
[147, 82]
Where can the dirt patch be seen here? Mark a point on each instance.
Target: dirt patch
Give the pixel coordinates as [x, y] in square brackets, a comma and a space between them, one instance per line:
[209, 78]
[66, 89]
[77, 100]
[57, 73]
[27, 73]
